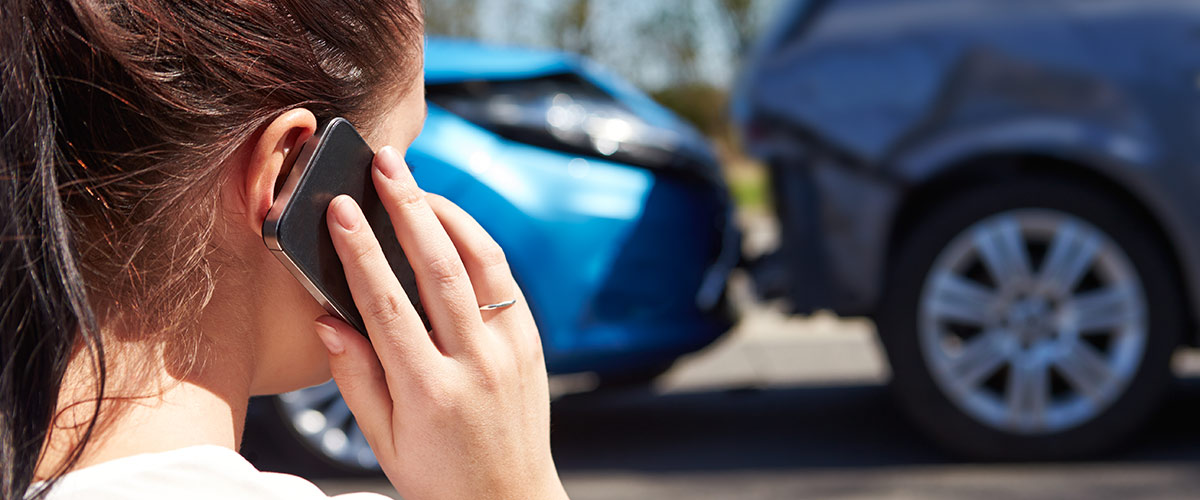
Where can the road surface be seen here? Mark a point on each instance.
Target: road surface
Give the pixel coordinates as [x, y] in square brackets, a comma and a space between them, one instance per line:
[787, 408]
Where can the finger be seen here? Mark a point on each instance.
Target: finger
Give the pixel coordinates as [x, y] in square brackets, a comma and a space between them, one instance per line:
[492, 279]
[361, 380]
[442, 279]
[395, 329]
[486, 264]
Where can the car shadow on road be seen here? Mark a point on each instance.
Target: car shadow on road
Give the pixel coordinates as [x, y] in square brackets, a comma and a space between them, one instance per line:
[802, 427]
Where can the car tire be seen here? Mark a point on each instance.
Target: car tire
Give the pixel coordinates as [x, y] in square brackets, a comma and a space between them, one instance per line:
[1050, 396]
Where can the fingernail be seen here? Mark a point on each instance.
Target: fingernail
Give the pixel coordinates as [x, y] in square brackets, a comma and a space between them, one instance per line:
[329, 337]
[389, 163]
[345, 212]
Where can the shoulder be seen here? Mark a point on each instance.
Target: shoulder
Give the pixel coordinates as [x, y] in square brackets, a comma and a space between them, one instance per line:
[198, 472]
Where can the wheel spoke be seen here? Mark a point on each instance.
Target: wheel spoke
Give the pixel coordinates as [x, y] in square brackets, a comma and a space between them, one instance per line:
[1002, 247]
[1084, 368]
[1028, 394]
[337, 414]
[981, 357]
[1070, 255]
[962, 300]
[1105, 309]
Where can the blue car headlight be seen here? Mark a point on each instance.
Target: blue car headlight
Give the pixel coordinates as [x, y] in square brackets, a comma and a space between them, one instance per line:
[567, 113]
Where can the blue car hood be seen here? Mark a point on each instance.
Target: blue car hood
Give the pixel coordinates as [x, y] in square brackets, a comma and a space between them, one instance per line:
[452, 60]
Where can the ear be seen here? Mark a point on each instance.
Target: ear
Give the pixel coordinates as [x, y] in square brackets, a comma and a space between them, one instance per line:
[267, 162]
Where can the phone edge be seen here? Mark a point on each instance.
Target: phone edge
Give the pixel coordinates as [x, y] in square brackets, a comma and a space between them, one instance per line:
[271, 224]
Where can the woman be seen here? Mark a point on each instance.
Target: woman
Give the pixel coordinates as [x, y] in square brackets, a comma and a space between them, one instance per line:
[144, 140]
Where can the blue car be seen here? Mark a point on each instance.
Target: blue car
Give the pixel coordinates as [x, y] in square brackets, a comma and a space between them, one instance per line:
[612, 212]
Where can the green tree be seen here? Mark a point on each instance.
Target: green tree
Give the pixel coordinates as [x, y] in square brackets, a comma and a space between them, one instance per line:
[455, 18]
[742, 21]
[671, 35]
[569, 26]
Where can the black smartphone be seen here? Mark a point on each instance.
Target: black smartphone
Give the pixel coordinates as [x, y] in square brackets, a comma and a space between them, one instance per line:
[334, 161]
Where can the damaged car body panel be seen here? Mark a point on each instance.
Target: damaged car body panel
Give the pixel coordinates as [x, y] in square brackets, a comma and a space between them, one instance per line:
[880, 100]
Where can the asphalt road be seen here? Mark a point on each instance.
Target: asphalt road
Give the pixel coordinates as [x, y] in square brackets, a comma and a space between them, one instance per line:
[798, 408]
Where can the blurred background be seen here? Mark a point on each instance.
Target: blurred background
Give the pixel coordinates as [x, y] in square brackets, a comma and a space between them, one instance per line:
[828, 248]
[685, 54]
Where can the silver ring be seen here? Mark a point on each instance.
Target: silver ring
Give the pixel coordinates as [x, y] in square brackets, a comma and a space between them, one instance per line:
[498, 305]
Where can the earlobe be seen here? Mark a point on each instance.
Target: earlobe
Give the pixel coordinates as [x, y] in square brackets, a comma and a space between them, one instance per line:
[269, 160]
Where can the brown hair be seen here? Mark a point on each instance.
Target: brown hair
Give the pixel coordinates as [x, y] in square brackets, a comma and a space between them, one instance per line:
[116, 115]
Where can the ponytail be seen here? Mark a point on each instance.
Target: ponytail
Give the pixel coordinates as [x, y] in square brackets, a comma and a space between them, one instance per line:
[45, 314]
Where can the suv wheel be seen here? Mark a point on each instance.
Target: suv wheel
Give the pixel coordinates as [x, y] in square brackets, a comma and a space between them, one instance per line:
[1030, 319]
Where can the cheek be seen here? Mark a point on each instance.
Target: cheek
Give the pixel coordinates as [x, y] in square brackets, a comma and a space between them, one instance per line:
[290, 356]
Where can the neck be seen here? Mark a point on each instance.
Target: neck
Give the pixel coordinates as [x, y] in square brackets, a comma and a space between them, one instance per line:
[162, 410]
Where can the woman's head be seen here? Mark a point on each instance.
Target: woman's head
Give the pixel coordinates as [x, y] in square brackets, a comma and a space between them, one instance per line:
[143, 142]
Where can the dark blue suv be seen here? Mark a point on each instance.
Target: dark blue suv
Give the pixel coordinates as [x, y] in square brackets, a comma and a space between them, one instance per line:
[1008, 187]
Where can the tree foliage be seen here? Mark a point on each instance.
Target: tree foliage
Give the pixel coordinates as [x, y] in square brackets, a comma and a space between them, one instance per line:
[453, 18]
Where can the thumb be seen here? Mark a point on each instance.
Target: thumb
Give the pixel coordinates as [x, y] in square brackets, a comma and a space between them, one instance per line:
[361, 380]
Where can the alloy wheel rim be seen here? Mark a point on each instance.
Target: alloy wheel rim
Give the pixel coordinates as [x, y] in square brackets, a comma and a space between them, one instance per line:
[1032, 321]
[322, 420]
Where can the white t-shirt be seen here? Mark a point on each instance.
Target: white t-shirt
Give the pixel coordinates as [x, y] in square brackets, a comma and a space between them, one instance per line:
[206, 472]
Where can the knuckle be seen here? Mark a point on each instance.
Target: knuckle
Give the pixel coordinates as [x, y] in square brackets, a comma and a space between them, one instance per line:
[361, 252]
[445, 270]
[386, 309]
[427, 386]
[407, 195]
[423, 382]
[491, 377]
[494, 373]
[492, 257]
[445, 398]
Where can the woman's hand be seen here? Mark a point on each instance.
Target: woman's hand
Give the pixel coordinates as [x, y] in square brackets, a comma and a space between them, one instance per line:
[460, 412]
